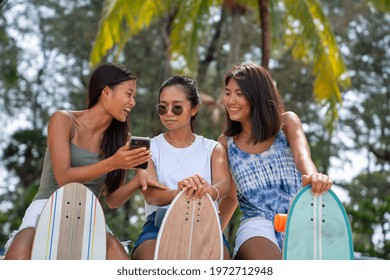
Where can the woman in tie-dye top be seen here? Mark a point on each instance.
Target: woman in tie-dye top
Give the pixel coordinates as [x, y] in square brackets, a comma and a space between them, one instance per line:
[269, 160]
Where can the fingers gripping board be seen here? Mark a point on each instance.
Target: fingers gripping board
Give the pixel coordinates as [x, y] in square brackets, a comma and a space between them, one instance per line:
[190, 231]
[71, 226]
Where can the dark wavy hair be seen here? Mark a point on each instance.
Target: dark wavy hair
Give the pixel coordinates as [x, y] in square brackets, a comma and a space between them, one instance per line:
[190, 88]
[111, 75]
[266, 104]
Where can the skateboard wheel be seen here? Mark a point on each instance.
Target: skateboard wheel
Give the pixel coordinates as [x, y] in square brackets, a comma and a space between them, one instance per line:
[280, 222]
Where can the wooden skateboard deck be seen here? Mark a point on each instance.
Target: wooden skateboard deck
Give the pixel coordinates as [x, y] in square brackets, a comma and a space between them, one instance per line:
[71, 226]
[317, 227]
[190, 230]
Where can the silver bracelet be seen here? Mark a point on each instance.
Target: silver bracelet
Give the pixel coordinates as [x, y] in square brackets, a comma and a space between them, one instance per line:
[216, 191]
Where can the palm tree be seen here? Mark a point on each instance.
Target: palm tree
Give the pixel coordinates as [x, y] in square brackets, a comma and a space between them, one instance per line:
[301, 24]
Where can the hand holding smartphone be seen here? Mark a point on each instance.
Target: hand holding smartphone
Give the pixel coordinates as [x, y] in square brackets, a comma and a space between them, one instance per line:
[138, 142]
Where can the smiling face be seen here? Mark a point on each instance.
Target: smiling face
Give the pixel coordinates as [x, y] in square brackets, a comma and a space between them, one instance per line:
[171, 96]
[120, 99]
[236, 104]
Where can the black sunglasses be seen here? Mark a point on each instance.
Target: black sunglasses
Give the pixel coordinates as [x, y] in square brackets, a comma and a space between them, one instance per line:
[163, 109]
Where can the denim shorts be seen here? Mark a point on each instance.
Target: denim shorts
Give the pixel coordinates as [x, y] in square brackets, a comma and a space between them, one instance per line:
[150, 232]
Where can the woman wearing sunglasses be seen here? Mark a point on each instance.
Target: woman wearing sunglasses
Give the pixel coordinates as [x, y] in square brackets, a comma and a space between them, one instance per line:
[180, 160]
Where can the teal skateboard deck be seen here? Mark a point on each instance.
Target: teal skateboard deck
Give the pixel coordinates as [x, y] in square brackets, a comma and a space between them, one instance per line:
[71, 226]
[317, 228]
[190, 230]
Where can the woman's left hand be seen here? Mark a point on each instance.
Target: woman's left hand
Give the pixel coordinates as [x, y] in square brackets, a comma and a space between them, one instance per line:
[195, 186]
[319, 182]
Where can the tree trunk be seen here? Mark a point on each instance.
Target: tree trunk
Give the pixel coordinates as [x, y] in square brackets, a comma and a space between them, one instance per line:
[166, 34]
[210, 55]
[235, 38]
[266, 35]
[235, 11]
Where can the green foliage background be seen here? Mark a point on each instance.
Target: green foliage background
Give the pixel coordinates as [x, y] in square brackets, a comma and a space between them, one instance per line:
[50, 73]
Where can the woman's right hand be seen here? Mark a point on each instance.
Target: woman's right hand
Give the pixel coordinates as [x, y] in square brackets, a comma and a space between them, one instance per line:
[148, 181]
[124, 158]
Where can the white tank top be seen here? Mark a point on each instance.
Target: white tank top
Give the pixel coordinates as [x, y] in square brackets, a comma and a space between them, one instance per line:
[174, 164]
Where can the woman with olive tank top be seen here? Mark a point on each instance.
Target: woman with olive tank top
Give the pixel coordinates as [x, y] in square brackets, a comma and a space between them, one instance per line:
[89, 147]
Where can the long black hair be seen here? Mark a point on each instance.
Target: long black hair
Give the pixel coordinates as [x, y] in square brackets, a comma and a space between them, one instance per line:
[190, 88]
[266, 104]
[116, 135]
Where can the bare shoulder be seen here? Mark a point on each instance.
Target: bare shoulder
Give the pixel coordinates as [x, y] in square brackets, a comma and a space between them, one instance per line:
[60, 116]
[60, 120]
[290, 116]
[219, 150]
[223, 140]
[218, 156]
[290, 120]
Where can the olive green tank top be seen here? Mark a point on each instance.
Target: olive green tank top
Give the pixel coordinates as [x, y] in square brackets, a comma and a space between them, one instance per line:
[79, 157]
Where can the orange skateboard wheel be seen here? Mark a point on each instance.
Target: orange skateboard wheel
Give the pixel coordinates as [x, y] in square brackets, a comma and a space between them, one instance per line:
[280, 222]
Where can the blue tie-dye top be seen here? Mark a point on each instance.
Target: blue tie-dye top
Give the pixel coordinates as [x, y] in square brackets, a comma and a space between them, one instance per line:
[266, 182]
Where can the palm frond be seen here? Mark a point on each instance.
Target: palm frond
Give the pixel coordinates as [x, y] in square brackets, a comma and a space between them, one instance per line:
[120, 20]
[191, 19]
[311, 40]
[381, 5]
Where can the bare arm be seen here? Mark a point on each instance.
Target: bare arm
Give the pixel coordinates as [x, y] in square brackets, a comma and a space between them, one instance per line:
[157, 196]
[122, 194]
[229, 203]
[196, 186]
[301, 153]
[59, 137]
[220, 171]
